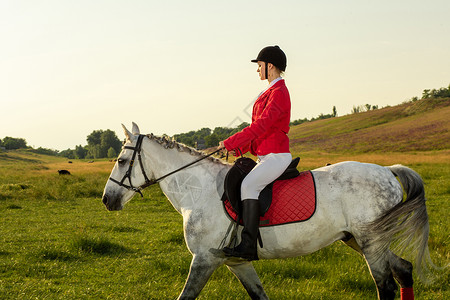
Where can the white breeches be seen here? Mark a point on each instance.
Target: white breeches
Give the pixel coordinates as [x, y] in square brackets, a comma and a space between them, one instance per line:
[268, 168]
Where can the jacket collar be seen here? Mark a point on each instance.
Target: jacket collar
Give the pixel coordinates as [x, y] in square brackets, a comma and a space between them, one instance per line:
[274, 84]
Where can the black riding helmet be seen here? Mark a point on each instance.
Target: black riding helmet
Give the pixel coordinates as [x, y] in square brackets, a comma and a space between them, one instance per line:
[273, 55]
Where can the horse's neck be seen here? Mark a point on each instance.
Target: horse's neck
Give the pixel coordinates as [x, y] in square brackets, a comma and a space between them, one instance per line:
[190, 188]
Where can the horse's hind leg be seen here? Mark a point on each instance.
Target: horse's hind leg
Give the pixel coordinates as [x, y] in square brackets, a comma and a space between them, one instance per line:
[380, 269]
[249, 279]
[402, 270]
[382, 275]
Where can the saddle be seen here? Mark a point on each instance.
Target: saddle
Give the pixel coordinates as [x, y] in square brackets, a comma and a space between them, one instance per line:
[234, 177]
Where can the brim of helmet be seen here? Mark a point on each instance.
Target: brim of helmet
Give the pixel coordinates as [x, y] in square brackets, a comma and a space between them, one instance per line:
[254, 60]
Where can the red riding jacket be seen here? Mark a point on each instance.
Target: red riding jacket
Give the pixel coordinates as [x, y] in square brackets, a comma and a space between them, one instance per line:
[270, 124]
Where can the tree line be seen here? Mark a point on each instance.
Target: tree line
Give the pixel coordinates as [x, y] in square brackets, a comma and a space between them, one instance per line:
[319, 117]
[206, 138]
[105, 144]
[363, 108]
[100, 144]
[436, 93]
[10, 143]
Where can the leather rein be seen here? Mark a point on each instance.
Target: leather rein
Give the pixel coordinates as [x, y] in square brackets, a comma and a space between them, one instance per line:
[148, 182]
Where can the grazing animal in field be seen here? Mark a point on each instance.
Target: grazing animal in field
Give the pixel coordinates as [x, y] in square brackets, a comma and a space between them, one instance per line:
[357, 203]
[69, 161]
[63, 172]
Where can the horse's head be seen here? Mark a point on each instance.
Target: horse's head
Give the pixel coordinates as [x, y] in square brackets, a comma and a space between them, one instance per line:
[128, 175]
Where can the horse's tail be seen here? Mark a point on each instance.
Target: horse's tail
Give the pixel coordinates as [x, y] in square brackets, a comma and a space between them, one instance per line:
[406, 224]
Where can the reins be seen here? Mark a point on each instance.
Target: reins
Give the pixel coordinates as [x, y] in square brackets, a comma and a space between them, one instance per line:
[149, 182]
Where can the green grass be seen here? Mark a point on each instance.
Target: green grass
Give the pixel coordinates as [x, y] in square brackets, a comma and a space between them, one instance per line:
[57, 241]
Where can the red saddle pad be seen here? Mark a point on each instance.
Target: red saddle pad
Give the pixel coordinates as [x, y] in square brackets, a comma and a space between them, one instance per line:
[293, 200]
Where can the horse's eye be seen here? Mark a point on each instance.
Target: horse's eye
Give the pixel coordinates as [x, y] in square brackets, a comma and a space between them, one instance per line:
[121, 161]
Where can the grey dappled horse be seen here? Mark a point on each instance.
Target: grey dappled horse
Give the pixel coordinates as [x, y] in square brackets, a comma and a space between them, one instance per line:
[358, 203]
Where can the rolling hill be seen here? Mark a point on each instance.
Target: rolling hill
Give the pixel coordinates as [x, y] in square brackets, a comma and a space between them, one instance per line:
[422, 125]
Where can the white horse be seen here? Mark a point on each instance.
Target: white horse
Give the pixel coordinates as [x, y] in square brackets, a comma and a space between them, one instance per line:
[360, 204]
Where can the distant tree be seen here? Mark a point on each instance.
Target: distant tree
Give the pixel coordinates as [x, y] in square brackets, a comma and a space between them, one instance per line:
[80, 152]
[426, 94]
[186, 138]
[319, 117]
[223, 131]
[212, 140]
[356, 109]
[434, 93]
[111, 152]
[100, 141]
[298, 122]
[94, 151]
[11, 143]
[363, 108]
[67, 153]
[440, 93]
[95, 138]
[203, 132]
[109, 139]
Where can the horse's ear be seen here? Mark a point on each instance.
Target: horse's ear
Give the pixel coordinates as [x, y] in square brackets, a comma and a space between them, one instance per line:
[135, 130]
[128, 134]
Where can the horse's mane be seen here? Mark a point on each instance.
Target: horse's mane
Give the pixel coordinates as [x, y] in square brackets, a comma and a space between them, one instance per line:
[170, 143]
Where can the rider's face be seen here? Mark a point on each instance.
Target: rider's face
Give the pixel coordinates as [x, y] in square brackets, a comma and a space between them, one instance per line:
[262, 70]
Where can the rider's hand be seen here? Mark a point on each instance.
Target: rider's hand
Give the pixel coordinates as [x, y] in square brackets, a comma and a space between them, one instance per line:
[222, 145]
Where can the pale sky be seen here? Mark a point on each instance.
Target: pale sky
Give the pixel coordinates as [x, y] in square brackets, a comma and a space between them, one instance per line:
[70, 67]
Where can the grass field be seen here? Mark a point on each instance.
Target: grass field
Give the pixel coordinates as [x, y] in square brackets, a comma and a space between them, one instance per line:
[57, 241]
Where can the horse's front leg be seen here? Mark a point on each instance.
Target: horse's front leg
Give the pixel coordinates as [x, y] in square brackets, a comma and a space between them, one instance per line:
[246, 274]
[201, 269]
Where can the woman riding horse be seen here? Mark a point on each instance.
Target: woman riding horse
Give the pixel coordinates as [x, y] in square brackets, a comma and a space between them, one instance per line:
[266, 137]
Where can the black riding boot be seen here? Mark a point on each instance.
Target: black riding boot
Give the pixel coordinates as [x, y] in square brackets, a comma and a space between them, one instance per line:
[247, 249]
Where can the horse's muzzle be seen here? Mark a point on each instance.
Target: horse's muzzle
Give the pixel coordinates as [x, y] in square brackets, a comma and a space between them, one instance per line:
[111, 205]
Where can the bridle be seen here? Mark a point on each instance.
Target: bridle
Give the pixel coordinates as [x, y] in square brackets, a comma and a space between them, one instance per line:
[148, 182]
[136, 150]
